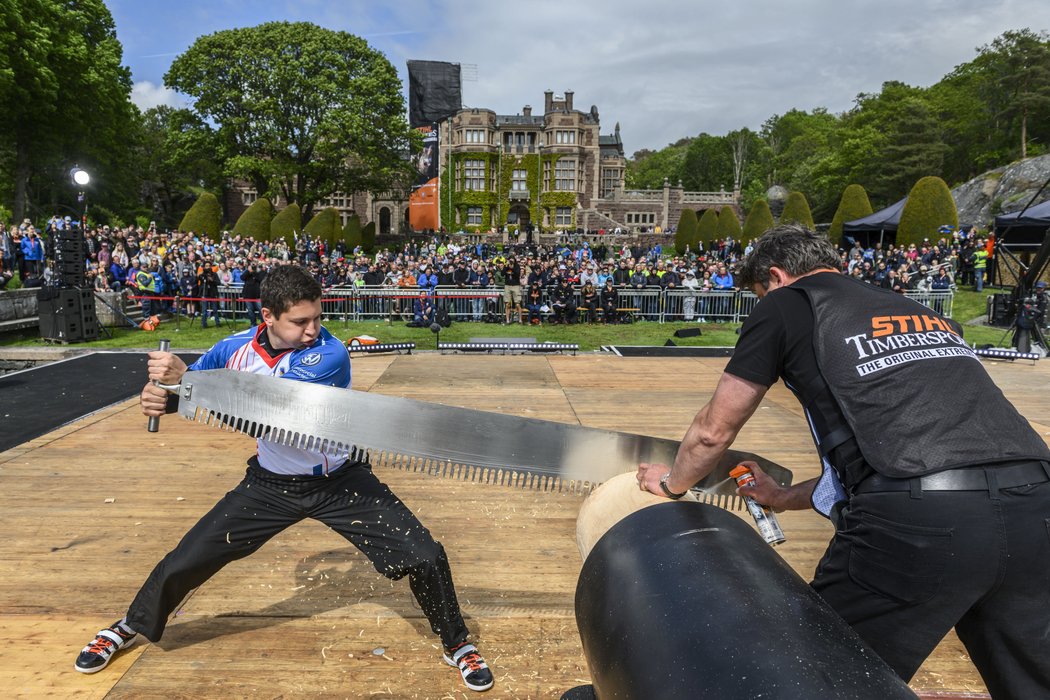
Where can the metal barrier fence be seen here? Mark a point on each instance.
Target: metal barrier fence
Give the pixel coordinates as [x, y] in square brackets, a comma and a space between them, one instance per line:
[646, 304]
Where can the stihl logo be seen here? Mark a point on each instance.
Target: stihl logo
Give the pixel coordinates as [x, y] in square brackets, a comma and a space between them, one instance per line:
[886, 325]
[899, 340]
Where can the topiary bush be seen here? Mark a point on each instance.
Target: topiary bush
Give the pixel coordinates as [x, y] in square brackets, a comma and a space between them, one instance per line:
[706, 228]
[728, 224]
[758, 221]
[929, 206]
[204, 217]
[368, 237]
[853, 205]
[352, 232]
[255, 221]
[325, 226]
[685, 234]
[796, 211]
[287, 223]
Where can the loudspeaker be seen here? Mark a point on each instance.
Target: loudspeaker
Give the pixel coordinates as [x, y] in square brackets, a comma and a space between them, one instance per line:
[1001, 310]
[687, 333]
[67, 314]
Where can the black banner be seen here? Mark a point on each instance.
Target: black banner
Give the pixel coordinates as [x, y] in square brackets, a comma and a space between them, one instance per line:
[433, 91]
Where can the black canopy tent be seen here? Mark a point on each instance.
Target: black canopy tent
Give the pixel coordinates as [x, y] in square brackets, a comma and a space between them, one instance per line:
[1025, 231]
[875, 227]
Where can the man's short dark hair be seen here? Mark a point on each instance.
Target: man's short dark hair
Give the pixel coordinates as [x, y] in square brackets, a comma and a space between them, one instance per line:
[791, 247]
[286, 286]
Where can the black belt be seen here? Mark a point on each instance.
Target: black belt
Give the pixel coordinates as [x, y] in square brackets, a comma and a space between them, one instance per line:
[989, 478]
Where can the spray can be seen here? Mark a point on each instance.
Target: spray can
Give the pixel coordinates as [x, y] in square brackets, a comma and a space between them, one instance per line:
[765, 518]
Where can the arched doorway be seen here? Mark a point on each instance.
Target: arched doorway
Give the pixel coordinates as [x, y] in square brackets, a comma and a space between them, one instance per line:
[518, 216]
[384, 220]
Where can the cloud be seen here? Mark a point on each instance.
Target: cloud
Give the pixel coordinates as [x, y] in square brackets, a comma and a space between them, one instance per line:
[145, 95]
[664, 69]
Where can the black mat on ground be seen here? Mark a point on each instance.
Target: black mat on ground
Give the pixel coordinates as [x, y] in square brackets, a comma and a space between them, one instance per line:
[36, 401]
[669, 351]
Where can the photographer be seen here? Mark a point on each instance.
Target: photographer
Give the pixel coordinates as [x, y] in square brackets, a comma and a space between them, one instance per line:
[252, 279]
[208, 289]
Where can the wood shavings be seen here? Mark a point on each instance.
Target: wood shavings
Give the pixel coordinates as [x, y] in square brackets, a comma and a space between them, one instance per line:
[110, 500]
[227, 538]
[324, 650]
[180, 498]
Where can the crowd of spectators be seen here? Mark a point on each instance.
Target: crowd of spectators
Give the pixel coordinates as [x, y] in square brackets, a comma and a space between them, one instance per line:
[547, 281]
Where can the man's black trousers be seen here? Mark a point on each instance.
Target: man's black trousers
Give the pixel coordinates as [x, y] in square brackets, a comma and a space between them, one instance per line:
[904, 568]
[351, 501]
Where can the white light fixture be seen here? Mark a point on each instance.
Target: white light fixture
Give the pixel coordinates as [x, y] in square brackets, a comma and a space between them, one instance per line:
[80, 177]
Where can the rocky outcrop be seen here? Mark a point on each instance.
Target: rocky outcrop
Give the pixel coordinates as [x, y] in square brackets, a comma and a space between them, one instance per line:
[1001, 191]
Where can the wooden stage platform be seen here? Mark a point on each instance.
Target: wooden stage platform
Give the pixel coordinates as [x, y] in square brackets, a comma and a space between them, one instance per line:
[90, 507]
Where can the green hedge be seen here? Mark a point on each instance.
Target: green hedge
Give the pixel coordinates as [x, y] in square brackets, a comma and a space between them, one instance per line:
[324, 226]
[368, 237]
[706, 229]
[685, 234]
[853, 205]
[929, 206]
[352, 232]
[287, 223]
[796, 210]
[728, 224]
[255, 221]
[204, 217]
[758, 221]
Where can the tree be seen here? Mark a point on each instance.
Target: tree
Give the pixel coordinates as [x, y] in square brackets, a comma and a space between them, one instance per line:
[708, 164]
[368, 237]
[287, 224]
[324, 226]
[685, 234]
[853, 205]
[728, 224]
[352, 232]
[759, 220]
[66, 100]
[930, 205]
[907, 140]
[255, 221]
[1018, 65]
[303, 112]
[796, 210]
[204, 217]
[706, 228]
[176, 154]
[647, 170]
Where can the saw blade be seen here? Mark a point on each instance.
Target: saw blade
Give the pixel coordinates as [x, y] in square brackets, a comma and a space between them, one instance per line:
[449, 441]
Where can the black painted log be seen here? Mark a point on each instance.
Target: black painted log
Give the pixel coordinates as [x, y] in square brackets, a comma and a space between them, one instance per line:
[686, 600]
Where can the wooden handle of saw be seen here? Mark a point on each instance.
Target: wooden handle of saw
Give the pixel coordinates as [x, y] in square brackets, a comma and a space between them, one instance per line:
[153, 424]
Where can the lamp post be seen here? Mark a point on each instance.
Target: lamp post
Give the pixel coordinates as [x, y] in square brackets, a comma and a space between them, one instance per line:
[81, 178]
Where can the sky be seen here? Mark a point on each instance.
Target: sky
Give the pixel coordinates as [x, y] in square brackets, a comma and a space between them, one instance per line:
[663, 69]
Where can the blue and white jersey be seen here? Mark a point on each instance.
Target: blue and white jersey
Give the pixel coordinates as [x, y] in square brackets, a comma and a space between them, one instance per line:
[325, 362]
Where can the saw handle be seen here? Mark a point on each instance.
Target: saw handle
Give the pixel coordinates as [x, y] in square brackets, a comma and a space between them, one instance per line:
[153, 424]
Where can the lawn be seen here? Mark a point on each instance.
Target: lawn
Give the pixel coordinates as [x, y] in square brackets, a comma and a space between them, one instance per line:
[969, 309]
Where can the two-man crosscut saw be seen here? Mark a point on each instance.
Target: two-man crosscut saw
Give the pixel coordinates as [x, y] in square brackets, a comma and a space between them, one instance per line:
[459, 443]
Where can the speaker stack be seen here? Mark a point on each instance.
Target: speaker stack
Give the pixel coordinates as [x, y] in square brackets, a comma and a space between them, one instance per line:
[70, 258]
[67, 310]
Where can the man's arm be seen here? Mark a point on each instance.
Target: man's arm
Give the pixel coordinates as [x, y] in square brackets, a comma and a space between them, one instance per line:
[711, 433]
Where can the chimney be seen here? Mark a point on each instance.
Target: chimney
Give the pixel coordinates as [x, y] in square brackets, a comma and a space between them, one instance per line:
[527, 110]
[548, 101]
[568, 100]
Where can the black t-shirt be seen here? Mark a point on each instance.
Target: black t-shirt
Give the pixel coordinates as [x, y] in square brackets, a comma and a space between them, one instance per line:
[776, 341]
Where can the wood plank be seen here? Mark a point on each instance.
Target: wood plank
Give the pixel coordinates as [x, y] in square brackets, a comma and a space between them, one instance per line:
[286, 620]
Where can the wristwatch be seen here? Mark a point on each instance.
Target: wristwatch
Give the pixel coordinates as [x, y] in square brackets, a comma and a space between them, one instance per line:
[668, 492]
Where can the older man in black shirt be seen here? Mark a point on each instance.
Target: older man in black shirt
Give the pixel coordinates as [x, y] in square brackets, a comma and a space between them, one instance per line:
[942, 517]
